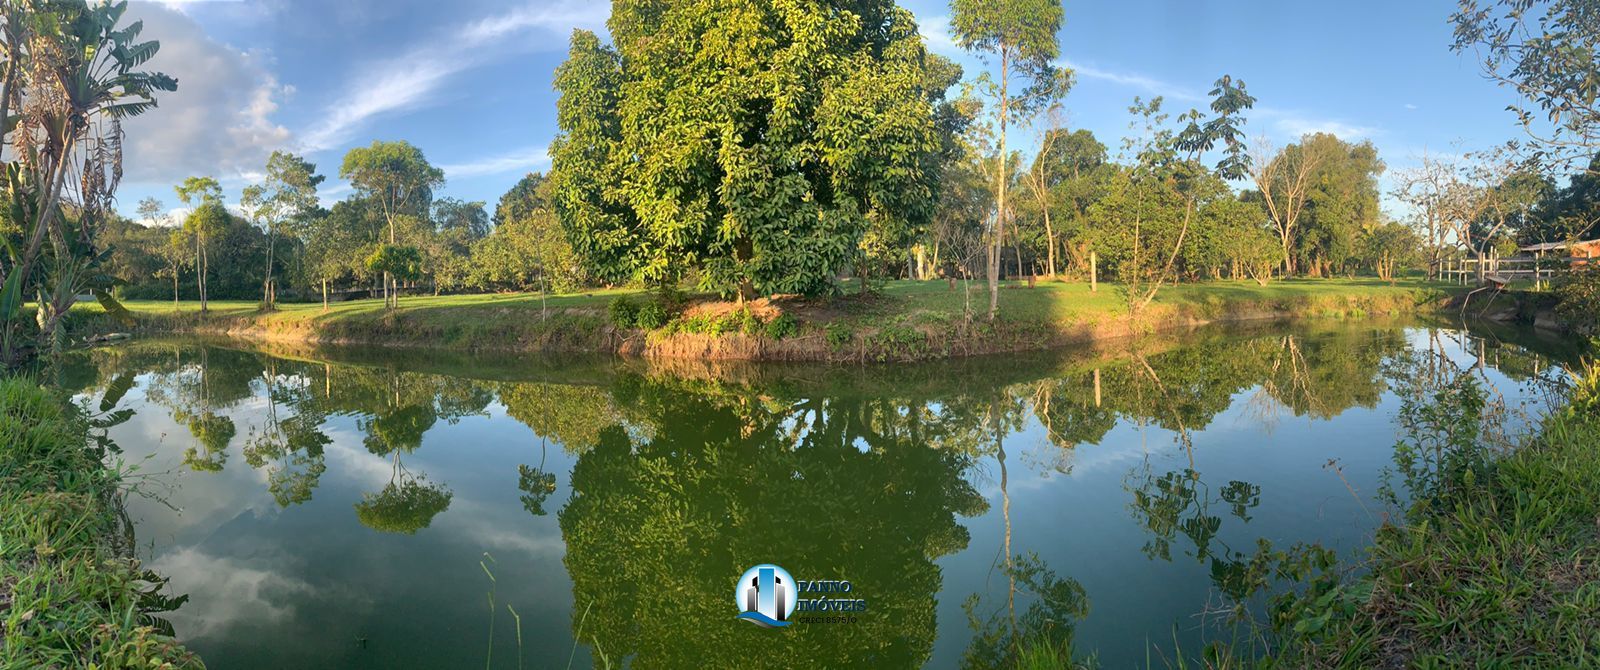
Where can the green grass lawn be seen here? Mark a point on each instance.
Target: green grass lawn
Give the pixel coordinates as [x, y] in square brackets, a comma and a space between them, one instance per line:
[1046, 301]
[373, 308]
[1070, 301]
[898, 320]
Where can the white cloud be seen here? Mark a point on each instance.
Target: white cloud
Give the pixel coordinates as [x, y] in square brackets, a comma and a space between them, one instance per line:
[408, 81]
[1289, 125]
[174, 217]
[239, 594]
[1410, 106]
[936, 33]
[1132, 80]
[219, 121]
[333, 191]
[516, 161]
[180, 4]
[560, 18]
[1296, 126]
[386, 88]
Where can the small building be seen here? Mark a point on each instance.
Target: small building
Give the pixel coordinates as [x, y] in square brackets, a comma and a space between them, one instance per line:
[1577, 251]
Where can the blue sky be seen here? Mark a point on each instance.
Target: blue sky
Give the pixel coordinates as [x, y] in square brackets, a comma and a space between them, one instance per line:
[468, 81]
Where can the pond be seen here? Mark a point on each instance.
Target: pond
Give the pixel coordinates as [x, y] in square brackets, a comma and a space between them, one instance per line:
[376, 510]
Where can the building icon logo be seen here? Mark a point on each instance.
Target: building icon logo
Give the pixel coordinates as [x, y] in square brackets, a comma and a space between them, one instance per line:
[766, 596]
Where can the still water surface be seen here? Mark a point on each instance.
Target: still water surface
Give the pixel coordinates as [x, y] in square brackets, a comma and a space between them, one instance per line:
[348, 509]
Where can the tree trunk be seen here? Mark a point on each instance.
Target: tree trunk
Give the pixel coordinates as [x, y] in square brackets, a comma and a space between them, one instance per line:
[1050, 239]
[205, 268]
[1288, 257]
[992, 267]
[53, 187]
[1016, 248]
[1000, 213]
[266, 283]
[197, 274]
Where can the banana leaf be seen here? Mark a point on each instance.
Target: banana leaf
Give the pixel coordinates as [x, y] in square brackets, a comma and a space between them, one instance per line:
[113, 307]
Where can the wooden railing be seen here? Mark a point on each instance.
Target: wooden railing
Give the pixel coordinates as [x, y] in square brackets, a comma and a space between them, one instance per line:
[1466, 270]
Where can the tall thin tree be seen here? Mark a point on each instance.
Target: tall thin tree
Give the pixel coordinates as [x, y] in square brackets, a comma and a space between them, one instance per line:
[1021, 36]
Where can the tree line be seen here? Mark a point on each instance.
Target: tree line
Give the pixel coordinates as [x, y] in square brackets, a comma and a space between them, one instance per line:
[392, 235]
[758, 150]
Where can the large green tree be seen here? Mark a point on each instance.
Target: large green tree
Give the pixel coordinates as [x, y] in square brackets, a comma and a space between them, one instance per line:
[1062, 182]
[1341, 201]
[398, 179]
[1149, 208]
[447, 245]
[528, 194]
[1547, 52]
[753, 144]
[334, 240]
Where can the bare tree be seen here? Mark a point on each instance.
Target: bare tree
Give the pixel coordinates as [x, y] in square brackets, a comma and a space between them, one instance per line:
[1283, 177]
[1426, 189]
[1037, 179]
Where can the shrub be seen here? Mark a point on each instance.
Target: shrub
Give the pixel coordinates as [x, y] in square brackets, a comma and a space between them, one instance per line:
[838, 335]
[1579, 296]
[623, 311]
[651, 315]
[714, 325]
[698, 324]
[782, 327]
[898, 337]
[747, 321]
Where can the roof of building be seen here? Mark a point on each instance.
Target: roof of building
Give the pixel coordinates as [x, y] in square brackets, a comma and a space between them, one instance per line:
[1552, 246]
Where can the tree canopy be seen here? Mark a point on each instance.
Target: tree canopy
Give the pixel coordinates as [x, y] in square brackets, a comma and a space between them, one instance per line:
[752, 145]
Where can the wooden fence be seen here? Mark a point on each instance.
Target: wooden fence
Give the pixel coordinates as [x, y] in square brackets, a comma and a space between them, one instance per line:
[1465, 271]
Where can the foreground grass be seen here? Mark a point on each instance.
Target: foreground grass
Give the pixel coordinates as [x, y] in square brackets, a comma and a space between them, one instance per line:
[1500, 568]
[69, 598]
[900, 320]
[1495, 563]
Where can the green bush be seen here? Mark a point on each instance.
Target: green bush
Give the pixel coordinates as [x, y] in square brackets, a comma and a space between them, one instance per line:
[717, 325]
[782, 327]
[651, 315]
[623, 311]
[838, 335]
[698, 324]
[897, 337]
[1579, 295]
[748, 323]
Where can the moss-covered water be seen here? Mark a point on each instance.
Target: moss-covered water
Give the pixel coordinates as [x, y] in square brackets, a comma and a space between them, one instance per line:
[346, 509]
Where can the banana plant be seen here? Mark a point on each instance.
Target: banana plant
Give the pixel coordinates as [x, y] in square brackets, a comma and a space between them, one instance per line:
[82, 77]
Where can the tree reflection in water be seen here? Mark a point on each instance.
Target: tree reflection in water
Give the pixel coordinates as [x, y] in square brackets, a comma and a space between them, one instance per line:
[682, 482]
[861, 489]
[536, 484]
[1043, 634]
[289, 448]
